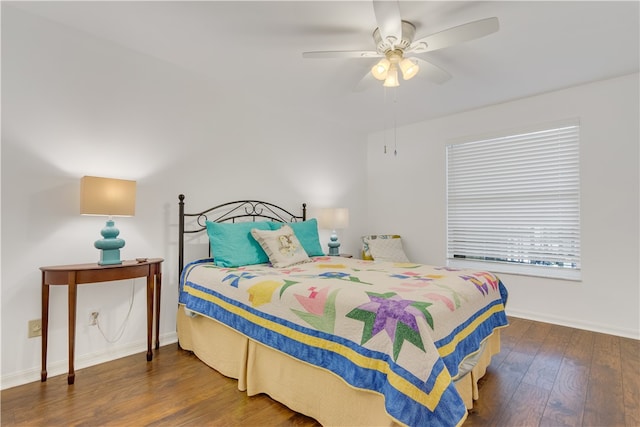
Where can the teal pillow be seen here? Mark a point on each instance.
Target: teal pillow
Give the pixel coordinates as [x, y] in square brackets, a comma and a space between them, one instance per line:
[232, 244]
[307, 234]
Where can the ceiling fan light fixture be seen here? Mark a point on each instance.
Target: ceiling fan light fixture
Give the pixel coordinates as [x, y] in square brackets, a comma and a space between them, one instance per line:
[409, 68]
[392, 77]
[380, 70]
[394, 37]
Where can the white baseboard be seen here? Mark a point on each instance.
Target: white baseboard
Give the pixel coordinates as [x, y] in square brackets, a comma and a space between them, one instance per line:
[572, 323]
[84, 361]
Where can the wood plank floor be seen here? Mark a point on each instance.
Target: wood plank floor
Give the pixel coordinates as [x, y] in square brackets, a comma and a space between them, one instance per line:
[545, 375]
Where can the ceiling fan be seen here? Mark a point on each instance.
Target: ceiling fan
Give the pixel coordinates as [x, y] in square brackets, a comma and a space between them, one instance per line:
[394, 42]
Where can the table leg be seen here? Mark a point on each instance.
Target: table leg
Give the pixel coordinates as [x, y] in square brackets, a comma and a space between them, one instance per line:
[73, 296]
[158, 292]
[45, 327]
[150, 286]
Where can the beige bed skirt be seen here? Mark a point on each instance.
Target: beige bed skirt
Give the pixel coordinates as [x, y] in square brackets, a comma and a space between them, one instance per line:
[304, 388]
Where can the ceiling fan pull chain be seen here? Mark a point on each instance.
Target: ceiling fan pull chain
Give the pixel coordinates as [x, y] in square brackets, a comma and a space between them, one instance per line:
[392, 118]
[395, 122]
[384, 91]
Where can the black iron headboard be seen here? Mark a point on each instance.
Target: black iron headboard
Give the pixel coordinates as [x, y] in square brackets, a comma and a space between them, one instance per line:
[230, 212]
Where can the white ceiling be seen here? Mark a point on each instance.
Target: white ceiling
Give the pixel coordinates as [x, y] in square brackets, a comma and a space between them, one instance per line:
[257, 47]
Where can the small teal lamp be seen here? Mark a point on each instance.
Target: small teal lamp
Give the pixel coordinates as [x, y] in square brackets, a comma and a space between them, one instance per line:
[109, 197]
[333, 219]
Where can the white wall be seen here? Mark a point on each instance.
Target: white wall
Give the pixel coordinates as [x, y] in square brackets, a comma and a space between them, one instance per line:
[73, 105]
[406, 195]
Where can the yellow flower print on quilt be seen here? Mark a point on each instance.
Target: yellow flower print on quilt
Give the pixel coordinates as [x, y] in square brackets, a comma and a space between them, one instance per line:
[261, 293]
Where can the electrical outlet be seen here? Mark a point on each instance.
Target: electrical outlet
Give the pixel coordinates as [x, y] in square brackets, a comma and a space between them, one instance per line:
[93, 318]
[35, 328]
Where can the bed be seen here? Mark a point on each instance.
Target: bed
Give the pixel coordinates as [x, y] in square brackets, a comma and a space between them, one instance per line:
[343, 340]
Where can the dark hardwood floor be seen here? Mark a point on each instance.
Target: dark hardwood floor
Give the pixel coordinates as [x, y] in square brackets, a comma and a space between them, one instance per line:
[545, 375]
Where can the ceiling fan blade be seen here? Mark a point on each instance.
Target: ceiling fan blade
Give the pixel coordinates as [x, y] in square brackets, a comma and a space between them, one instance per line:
[342, 54]
[389, 20]
[431, 71]
[455, 35]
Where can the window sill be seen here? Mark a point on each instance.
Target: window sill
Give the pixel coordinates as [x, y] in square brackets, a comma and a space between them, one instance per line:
[523, 270]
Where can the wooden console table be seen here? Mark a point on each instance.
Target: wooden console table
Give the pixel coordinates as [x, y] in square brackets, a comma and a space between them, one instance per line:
[74, 275]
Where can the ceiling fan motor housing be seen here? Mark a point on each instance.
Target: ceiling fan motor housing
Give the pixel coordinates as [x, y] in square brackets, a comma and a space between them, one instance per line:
[383, 46]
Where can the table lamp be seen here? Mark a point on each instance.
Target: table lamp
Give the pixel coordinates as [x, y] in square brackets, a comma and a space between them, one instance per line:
[333, 219]
[109, 197]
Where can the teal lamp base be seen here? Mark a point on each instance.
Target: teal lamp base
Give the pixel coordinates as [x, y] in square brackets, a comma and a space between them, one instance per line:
[334, 245]
[110, 257]
[110, 245]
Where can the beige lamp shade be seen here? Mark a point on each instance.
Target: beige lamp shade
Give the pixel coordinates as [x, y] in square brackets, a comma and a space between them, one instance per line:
[409, 68]
[379, 71]
[107, 196]
[333, 218]
[392, 77]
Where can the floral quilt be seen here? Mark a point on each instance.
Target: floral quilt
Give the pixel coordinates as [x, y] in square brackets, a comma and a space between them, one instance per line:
[400, 329]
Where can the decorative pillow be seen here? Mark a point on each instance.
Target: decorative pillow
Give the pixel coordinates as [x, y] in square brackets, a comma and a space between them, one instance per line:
[387, 250]
[281, 246]
[366, 253]
[307, 233]
[232, 244]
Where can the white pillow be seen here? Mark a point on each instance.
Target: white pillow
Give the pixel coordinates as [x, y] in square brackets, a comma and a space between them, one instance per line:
[281, 246]
[366, 253]
[387, 250]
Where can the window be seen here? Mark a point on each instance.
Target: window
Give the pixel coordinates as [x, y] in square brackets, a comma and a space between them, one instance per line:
[514, 202]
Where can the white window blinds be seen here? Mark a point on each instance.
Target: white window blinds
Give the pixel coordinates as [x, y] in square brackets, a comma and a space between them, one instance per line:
[514, 201]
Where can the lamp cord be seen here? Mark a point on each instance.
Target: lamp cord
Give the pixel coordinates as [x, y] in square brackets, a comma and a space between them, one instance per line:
[124, 322]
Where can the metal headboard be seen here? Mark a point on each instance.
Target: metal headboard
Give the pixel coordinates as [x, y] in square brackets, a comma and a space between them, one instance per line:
[230, 212]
